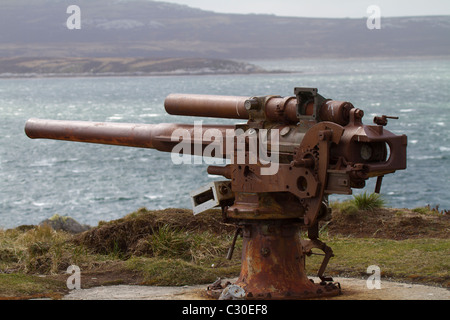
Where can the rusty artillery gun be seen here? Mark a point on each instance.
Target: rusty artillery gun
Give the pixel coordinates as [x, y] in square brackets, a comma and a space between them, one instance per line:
[283, 163]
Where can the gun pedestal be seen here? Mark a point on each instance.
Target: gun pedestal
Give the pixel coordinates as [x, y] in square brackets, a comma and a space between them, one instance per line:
[273, 253]
[273, 263]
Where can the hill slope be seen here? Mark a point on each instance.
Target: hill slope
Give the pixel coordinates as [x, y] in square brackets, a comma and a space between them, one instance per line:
[50, 67]
[138, 28]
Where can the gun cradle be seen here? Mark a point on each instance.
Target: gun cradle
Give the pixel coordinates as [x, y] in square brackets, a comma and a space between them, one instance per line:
[285, 160]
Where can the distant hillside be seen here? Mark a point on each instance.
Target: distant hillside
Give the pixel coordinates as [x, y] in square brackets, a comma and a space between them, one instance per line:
[50, 67]
[140, 28]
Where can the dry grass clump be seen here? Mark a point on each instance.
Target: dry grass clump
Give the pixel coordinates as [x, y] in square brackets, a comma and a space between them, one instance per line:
[364, 201]
[40, 249]
[172, 232]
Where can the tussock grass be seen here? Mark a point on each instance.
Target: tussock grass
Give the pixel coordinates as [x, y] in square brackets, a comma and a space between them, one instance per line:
[40, 249]
[368, 201]
[364, 201]
[196, 247]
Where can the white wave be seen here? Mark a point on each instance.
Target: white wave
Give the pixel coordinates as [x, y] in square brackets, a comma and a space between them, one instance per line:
[153, 197]
[40, 204]
[44, 163]
[149, 115]
[115, 117]
[424, 157]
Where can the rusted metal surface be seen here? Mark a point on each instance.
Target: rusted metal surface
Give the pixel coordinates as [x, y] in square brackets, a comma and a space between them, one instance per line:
[273, 263]
[153, 136]
[321, 147]
[198, 105]
[276, 108]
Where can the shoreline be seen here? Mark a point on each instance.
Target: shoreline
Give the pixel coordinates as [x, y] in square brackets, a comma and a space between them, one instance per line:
[134, 75]
[245, 67]
[70, 67]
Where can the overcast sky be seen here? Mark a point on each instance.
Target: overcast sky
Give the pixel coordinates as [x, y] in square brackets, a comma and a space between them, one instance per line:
[323, 8]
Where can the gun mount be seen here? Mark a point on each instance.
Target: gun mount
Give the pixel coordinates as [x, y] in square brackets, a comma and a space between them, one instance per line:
[284, 162]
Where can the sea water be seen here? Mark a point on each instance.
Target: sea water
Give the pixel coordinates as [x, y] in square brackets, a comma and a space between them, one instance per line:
[40, 178]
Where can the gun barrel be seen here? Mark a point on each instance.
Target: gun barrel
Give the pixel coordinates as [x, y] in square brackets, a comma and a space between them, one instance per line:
[91, 132]
[161, 136]
[277, 109]
[200, 105]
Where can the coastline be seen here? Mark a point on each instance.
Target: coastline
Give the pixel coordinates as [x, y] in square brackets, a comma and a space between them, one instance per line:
[134, 74]
[35, 67]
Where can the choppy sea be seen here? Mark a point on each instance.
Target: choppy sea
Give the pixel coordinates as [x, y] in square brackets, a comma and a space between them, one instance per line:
[40, 178]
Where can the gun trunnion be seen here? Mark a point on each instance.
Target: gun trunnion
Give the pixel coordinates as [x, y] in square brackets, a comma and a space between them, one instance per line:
[320, 147]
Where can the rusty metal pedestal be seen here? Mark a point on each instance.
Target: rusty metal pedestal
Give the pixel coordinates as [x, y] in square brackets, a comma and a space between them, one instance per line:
[273, 263]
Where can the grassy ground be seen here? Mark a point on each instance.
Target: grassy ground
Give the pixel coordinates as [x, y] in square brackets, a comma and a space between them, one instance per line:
[173, 247]
[416, 260]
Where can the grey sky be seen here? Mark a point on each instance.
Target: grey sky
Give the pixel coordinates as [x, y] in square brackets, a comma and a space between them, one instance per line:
[323, 8]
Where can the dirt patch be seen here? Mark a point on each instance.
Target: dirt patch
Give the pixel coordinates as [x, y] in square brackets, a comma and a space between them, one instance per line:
[110, 274]
[386, 223]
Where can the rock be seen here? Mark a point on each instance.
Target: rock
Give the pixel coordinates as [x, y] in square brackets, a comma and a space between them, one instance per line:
[232, 292]
[65, 223]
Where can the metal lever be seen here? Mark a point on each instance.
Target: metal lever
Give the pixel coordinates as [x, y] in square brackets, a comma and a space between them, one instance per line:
[382, 121]
[378, 185]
